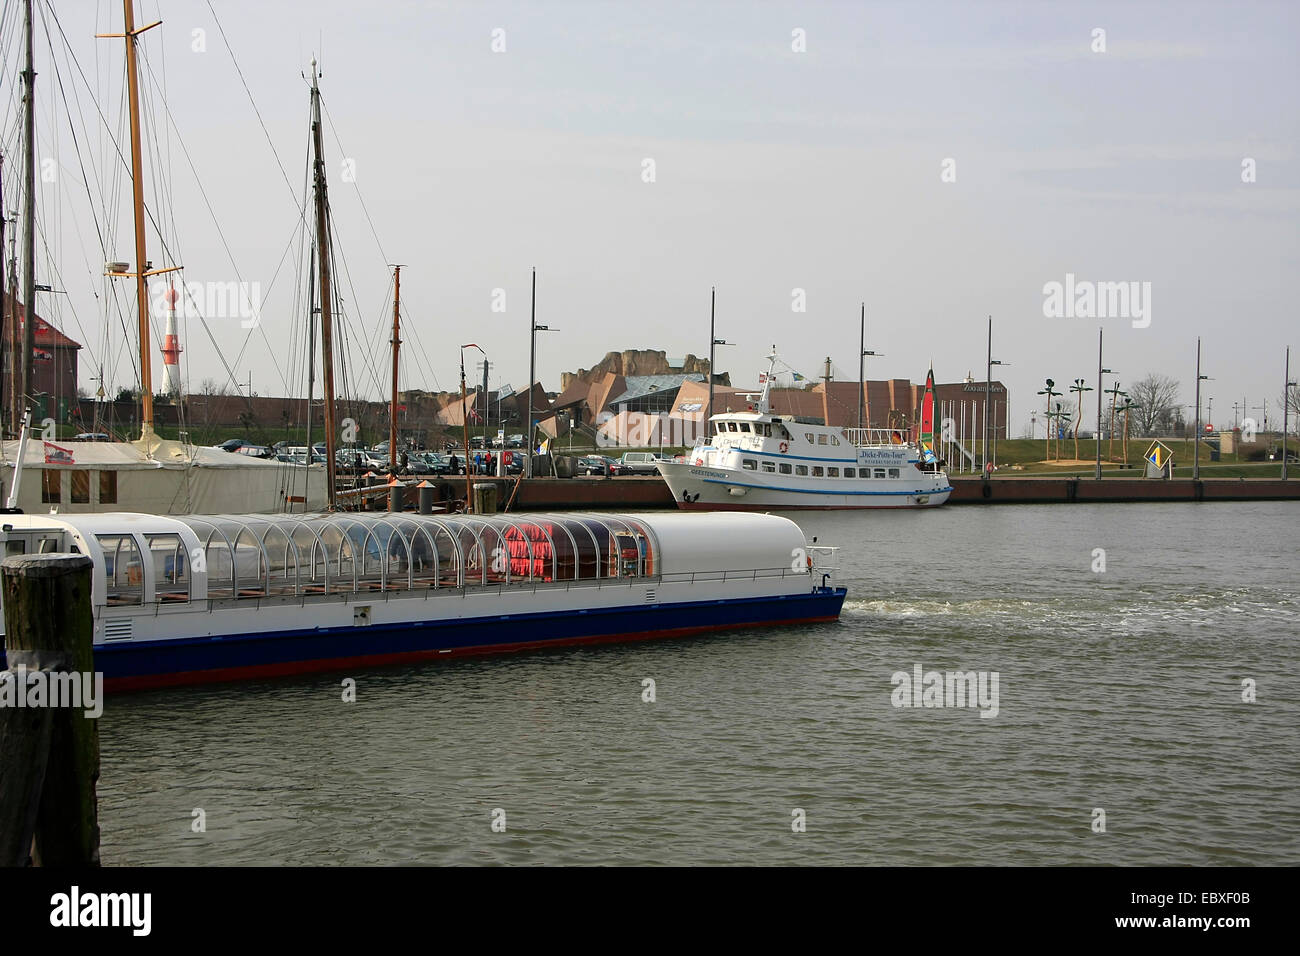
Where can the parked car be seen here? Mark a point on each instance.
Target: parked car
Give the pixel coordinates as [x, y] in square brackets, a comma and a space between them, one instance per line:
[234, 444]
[91, 436]
[592, 466]
[639, 463]
[515, 441]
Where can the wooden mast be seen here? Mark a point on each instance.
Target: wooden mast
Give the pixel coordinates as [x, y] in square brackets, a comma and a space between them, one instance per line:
[326, 300]
[396, 341]
[25, 389]
[142, 264]
[137, 190]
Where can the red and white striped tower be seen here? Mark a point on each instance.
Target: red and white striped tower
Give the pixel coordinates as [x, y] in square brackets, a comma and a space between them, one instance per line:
[171, 349]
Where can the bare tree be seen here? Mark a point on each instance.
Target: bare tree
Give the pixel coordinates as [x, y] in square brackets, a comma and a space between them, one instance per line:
[1291, 398]
[1156, 397]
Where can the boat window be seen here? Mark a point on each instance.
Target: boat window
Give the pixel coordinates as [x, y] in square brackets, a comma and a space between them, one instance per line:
[123, 570]
[80, 481]
[880, 473]
[749, 464]
[108, 487]
[51, 481]
[809, 436]
[171, 568]
[13, 547]
[282, 561]
[423, 558]
[817, 471]
[850, 473]
[801, 469]
[584, 538]
[832, 471]
[444, 542]
[770, 467]
[531, 552]
[785, 468]
[720, 427]
[731, 427]
[821, 439]
[893, 473]
[250, 565]
[744, 426]
[834, 440]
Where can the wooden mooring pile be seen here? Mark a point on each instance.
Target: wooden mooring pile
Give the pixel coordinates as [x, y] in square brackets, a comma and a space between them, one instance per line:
[49, 751]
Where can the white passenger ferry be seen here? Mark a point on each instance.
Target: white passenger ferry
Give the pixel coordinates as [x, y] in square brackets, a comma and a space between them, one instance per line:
[191, 599]
[758, 461]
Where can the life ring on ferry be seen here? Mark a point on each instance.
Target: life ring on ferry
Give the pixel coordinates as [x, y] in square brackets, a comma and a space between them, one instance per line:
[785, 446]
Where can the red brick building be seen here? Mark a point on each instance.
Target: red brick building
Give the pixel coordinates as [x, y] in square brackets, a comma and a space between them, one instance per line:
[54, 370]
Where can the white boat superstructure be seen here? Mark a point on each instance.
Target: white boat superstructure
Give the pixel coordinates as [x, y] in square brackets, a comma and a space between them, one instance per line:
[156, 476]
[759, 461]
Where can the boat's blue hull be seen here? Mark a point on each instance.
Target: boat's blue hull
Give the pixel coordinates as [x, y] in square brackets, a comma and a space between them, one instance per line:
[144, 664]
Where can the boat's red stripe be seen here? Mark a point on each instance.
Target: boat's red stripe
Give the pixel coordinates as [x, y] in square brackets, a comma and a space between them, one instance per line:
[291, 668]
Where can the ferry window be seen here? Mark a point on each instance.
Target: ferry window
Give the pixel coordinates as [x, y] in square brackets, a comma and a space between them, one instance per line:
[880, 473]
[850, 473]
[171, 569]
[765, 430]
[785, 468]
[801, 469]
[80, 487]
[744, 426]
[123, 569]
[15, 547]
[821, 439]
[748, 464]
[720, 427]
[51, 479]
[731, 427]
[834, 440]
[893, 473]
[817, 471]
[108, 487]
[809, 436]
[769, 466]
[832, 471]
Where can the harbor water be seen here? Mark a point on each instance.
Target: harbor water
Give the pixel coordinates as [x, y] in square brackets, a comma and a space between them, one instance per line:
[1146, 711]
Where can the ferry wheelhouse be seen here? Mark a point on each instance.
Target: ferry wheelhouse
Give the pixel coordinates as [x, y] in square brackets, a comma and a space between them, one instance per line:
[192, 599]
[757, 461]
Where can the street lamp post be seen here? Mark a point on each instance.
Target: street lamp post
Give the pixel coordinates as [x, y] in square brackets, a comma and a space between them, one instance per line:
[1100, 391]
[863, 352]
[988, 391]
[464, 416]
[533, 329]
[1286, 406]
[713, 342]
[1196, 434]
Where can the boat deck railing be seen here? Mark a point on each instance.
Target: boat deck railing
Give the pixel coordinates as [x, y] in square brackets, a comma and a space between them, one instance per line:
[876, 437]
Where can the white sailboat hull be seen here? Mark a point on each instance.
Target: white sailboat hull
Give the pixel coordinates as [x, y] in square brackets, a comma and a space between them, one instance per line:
[162, 478]
[700, 488]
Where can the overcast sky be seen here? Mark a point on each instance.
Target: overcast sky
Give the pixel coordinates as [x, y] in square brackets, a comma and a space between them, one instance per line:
[775, 170]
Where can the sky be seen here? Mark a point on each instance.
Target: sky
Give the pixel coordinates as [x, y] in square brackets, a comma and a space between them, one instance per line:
[941, 163]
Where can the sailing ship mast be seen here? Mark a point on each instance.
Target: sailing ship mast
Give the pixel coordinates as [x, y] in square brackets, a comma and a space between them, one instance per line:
[25, 391]
[142, 264]
[392, 424]
[326, 301]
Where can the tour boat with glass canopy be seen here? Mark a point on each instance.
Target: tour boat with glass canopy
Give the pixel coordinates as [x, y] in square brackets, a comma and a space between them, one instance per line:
[196, 598]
